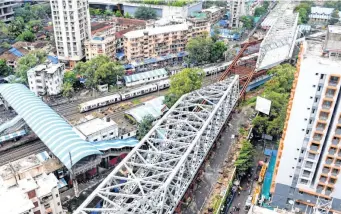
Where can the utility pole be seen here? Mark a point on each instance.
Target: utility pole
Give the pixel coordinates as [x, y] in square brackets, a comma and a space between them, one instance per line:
[73, 178]
[14, 173]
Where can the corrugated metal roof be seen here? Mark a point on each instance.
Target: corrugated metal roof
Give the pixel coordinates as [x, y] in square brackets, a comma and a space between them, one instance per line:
[54, 131]
[117, 143]
[152, 107]
[144, 75]
[322, 10]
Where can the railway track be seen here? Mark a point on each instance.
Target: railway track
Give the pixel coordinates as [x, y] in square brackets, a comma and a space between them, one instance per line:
[22, 151]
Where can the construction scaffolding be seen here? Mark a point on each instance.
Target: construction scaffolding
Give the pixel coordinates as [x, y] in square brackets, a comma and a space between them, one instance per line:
[157, 172]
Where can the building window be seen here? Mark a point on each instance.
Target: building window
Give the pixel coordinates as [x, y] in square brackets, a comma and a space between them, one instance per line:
[322, 76]
[58, 203]
[31, 194]
[57, 195]
[35, 204]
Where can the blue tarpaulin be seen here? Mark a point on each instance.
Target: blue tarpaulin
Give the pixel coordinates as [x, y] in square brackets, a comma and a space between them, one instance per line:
[16, 52]
[128, 66]
[53, 59]
[119, 55]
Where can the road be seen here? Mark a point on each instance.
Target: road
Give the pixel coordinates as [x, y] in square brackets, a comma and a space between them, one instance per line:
[213, 167]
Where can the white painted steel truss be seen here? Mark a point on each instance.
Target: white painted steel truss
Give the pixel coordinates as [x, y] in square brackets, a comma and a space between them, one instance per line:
[156, 173]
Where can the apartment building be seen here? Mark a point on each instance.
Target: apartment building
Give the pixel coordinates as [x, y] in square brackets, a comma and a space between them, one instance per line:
[332, 45]
[100, 44]
[214, 13]
[7, 10]
[71, 24]
[236, 9]
[32, 196]
[307, 169]
[124, 23]
[46, 78]
[160, 41]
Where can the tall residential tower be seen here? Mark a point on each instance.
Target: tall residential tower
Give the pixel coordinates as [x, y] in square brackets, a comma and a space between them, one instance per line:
[71, 23]
[307, 171]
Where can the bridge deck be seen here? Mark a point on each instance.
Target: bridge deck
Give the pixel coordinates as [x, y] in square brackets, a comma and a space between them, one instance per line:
[156, 174]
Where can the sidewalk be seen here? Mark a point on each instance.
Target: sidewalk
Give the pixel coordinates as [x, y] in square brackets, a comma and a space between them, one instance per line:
[247, 191]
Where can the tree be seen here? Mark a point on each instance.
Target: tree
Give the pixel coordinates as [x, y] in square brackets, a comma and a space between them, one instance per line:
[217, 51]
[28, 61]
[277, 89]
[27, 36]
[145, 126]
[5, 70]
[35, 26]
[70, 77]
[199, 49]
[247, 21]
[16, 26]
[187, 80]
[245, 158]
[118, 14]
[145, 13]
[334, 17]
[216, 34]
[99, 70]
[302, 16]
[127, 15]
[259, 11]
[265, 4]
[67, 89]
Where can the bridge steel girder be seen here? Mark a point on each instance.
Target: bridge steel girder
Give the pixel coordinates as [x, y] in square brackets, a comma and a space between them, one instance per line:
[157, 172]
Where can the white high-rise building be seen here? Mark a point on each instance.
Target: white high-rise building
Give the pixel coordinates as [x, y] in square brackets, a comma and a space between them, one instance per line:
[71, 23]
[236, 8]
[307, 171]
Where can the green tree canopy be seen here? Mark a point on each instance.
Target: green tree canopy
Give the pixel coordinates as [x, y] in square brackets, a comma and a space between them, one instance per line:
[202, 49]
[5, 70]
[99, 70]
[145, 13]
[247, 21]
[67, 89]
[334, 17]
[16, 26]
[199, 49]
[259, 11]
[217, 51]
[187, 80]
[245, 158]
[266, 4]
[27, 36]
[277, 89]
[127, 15]
[118, 14]
[145, 126]
[70, 77]
[29, 61]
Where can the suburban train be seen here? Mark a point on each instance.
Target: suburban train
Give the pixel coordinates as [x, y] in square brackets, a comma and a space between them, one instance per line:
[115, 98]
[149, 88]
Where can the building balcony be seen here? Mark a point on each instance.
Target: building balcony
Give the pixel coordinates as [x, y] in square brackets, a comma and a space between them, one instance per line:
[325, 170]
[334, 172]
[338, 131]
[319, 189]
[314, 148]
[337, 162]
[329, 161]
[323, 179]
[332, 151]
[327, 192]
[326, 107]
[335, 142]
[333, 81]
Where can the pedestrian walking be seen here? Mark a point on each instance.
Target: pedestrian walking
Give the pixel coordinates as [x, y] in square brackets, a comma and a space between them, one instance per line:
[237, 209]
[238, 205]
[238, 193]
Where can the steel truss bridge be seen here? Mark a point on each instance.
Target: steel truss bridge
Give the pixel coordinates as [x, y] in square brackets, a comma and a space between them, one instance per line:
[156, 173]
